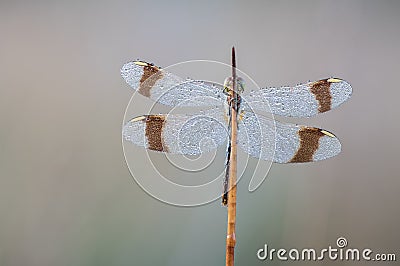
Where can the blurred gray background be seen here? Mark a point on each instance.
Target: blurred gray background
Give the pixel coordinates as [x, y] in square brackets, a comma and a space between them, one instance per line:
[66, 195]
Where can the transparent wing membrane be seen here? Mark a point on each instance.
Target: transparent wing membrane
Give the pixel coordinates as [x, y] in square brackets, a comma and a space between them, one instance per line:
[288, 144]
[303, 100]
[178, 133]
[169, 89]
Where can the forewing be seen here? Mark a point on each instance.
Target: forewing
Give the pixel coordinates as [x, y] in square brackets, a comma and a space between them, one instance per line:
[303, 100]
[268, 139]
[178, 133]
[169, 89]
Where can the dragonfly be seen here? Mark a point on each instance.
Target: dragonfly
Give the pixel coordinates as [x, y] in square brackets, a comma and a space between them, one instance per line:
[259, 136]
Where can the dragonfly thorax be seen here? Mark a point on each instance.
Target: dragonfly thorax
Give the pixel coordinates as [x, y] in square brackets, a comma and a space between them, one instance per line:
[228, 85]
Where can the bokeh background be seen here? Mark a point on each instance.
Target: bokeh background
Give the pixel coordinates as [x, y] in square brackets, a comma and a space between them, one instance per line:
[66, 195]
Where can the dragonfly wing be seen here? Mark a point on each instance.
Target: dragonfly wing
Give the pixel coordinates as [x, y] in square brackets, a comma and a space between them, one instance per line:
[169, 89]
[303, 100]
[178, 133]
[267, 139]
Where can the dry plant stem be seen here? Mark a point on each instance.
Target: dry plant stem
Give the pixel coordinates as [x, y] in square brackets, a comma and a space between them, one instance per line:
[230, 237]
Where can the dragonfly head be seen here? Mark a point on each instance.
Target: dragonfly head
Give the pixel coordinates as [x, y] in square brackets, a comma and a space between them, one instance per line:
[228, 85]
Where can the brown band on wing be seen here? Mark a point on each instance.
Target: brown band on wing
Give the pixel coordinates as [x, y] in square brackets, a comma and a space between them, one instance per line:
[322, 92]
[154, 132]
[150, 75]
[309, 142]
